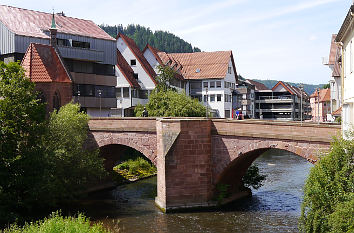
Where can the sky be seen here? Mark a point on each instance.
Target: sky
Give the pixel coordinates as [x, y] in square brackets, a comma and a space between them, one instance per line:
[270, 39]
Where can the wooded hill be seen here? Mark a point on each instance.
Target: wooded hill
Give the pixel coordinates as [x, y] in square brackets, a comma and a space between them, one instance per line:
[162, 40]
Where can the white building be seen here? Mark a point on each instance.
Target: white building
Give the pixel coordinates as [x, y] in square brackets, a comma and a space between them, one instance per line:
[345, 38]
[135, 77]
[210, 76]
[335, 82]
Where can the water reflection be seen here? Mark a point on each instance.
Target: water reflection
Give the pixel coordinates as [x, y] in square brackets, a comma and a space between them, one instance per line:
[275, 207]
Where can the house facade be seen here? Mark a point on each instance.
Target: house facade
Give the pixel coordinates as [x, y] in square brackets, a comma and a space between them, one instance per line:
[321, 105]
[335, 82]
[135, 77]
[282, 102]
[86, 51]
[210, 77]
[345, 38]
[245, 98]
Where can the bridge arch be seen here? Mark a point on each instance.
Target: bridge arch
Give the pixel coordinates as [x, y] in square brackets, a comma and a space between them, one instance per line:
[145, 143]
[239, 153]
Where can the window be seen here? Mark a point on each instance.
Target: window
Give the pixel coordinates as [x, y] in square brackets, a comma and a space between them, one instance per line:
[212, 84]
[134, 93]
[227, 98]
[227, 113]
[133, 62]
[205, 84]
[56, 101]
[218, 84]
[205, 98]
[218, 97]
[229, 70]
[118, 92]
[351, 56]
[143, 94]
[125, 92]
[212, 98]
[63, 42]
[80, 44]
[136, 76]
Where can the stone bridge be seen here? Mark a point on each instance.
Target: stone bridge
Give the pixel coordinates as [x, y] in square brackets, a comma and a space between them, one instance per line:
[193, 155]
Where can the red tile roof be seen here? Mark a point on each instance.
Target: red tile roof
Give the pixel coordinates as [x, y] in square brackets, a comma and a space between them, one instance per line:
[126, 70]
[35, 24]
[139, 55]
[201, 65]
[43, 64]
[259, 86]
[325, 95]
[338, 112]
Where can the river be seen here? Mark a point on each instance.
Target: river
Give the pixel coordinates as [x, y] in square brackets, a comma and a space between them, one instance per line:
[275, 207]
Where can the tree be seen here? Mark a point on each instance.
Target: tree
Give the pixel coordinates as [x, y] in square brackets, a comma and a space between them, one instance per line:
[328, 204]
[326, 86]
[41, 161]
[22, 123]
[171, 104]
[72, 166]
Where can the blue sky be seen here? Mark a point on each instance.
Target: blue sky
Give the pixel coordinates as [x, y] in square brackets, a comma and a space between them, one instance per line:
[270, 39]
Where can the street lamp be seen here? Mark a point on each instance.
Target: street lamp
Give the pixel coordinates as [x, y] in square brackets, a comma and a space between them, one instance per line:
[301, 91]
[78, 93]
[99, 94]
[206, 93]
[318, 105]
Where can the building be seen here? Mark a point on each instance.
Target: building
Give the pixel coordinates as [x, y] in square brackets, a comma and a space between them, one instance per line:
[282, 102]
[335, 82]
[135, 77]
[345, 39]
[210, 77]
[321, 105]
[244, 98]
[83, 50]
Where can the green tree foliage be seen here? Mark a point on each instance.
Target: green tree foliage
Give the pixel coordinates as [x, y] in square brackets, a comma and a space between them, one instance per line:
[163, 41]
[22, 122]
[253, 178]
[164, 101]
[56, 223]
[41, 161]
[326, 86]
[328, 204]
[171, 104]
[73, 165]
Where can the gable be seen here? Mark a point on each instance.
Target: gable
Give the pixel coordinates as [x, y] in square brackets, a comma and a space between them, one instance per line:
[43, 64]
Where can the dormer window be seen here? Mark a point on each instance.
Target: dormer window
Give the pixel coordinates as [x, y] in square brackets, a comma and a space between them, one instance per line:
[133, 62]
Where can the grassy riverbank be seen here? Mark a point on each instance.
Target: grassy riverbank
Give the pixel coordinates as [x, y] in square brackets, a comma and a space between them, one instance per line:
[134, 169]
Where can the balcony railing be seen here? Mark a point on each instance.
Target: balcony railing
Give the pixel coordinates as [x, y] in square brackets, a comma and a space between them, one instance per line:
[81, 53]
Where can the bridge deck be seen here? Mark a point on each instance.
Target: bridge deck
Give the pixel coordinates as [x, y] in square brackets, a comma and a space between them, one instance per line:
[288, 130]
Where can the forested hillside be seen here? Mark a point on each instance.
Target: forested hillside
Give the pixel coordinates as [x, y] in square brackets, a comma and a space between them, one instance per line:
[162, 40]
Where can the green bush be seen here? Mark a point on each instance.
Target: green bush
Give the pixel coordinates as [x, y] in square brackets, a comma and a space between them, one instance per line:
[135, 169]
[252, 178]
[329, 192]
[59, 224]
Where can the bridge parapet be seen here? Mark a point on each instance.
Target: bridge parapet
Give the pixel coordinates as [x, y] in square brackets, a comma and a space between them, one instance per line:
[123, 124]
[276, 130]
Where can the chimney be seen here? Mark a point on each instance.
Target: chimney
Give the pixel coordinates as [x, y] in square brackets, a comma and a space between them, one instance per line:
[53, 33]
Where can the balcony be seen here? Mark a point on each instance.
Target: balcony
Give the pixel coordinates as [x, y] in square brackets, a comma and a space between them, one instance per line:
[81, 53]
[96, 102]
[274, 99]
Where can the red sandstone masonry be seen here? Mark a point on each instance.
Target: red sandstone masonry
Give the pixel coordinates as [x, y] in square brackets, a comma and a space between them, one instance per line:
[193, 155]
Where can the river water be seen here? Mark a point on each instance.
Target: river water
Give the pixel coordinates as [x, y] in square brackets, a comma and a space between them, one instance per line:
[275, 207]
